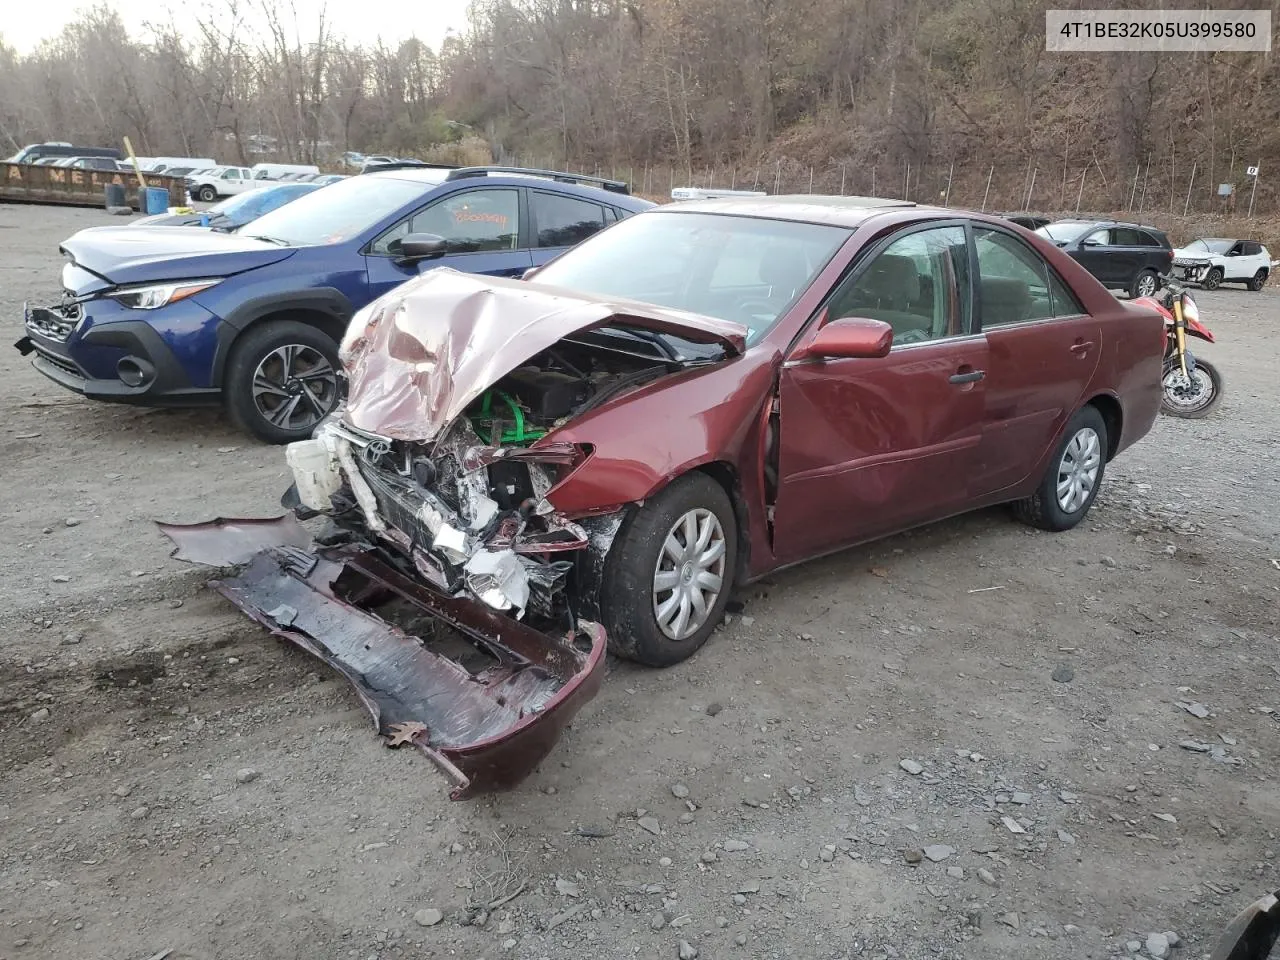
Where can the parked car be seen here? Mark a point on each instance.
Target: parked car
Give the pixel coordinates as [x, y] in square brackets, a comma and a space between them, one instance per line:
[278, 171]
[168, 315]
[62, 150]
[1213, 261]
[326, 178]
[1123, 256]
[209, 185]
[1029, 220]
[234, 211]
[757, 324]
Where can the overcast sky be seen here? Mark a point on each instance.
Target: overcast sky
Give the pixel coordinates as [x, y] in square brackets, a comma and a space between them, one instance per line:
[25, 24]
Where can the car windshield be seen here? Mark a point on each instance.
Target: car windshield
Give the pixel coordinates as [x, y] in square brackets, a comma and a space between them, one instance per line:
[744, 269]
[1209, 246]
[1063, 232]
[339, 212]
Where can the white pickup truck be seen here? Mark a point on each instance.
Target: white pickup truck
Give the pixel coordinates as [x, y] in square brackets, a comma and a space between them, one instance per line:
[209, 185]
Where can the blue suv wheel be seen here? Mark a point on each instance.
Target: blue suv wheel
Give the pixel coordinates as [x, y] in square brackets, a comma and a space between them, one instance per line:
[281, 380]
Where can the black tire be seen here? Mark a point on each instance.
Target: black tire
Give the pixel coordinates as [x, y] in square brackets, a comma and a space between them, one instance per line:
[1194, 411]
[206, 194]
[1213, 279]
[1257, 281]
[305, 386]
[628, 597]
[1143, 279]
[1042, 509]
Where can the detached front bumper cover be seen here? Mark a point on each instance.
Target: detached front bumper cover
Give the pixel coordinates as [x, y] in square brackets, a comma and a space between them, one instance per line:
[486, 716]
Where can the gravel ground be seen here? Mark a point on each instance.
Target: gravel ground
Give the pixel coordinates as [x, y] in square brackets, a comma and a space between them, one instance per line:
[972, 741]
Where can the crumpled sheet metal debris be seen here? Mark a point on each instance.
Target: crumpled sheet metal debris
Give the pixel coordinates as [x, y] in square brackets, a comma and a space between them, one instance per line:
[485, 730]
[418, 357]
[1253, 931]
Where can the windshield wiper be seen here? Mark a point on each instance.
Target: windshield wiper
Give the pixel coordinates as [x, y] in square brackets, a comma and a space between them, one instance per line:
[276, 240]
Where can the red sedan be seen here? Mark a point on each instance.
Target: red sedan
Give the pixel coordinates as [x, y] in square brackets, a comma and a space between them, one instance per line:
[692, 398]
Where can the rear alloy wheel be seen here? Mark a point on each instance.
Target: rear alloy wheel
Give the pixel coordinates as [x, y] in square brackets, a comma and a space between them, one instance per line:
[1257, 281]
[1145, 284]
[669, 573]
[1213, 279]
[282, 380]
[1074, 476]
[207, 194]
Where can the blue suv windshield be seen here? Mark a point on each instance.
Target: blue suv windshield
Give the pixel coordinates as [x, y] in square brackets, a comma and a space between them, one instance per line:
[337, 213]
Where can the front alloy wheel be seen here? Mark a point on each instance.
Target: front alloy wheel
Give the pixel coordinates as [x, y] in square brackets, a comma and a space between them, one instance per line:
[294, 387]
[689, 575]
[1146, 285]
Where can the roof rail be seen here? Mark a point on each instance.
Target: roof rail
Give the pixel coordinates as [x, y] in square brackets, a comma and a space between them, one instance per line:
[406, 165]
[613, 186]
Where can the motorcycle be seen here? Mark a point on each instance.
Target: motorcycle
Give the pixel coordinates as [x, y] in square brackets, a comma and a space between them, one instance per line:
[1192, 387]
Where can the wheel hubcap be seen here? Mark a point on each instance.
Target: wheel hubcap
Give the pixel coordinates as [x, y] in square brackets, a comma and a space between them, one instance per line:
[689, 575]
[1078, 469]
[1146, 286]
[1188, 393]
[294, 387]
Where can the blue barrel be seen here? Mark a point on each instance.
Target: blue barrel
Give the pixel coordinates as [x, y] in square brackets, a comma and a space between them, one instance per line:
[156, 200]
[115, 195]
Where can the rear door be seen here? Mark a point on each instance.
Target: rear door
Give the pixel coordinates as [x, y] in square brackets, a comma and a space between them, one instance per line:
[869, 446]
[1043, 351]
[1128, 254]
[484, 229]
[558, 221]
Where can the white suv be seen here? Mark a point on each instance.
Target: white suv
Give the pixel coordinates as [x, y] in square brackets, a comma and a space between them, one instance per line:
[1212, 261]
[209, 185]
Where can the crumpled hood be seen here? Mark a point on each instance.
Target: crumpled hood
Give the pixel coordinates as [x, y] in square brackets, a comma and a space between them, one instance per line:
[129, 254]
[1185, 254]
[419, 356]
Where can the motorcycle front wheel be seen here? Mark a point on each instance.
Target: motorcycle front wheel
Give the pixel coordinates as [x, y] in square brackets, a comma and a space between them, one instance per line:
[1194, 397]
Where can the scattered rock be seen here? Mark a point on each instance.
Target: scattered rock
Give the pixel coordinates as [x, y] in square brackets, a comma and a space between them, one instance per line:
[751, 886]
[740, 939]
[1133, 946]
[955, 873]
[912, 767]
[1198, 710]
[1063, 674]
[1013, 825]
[72, 521]
[1172, 937]
[986, 876]
[664, 861]
[61, 578]
[1195, 746]
[1166, 817]
[1008, 919]
[736, 846]
[1071, 930]
[71, 639]
[1109, 562]
[657, 922]
[687, 951]
[1066, 796]
[679, 791]
[140, 813]
[715, 708]
[428, 917]
[1066, 837]
[567, 888]
[246, 775]
[1157, 945]
[1022, 799]
[686, 818]
[123, 791]
[650, 824]
[912, 855]
[40, 716]
[722, 922]
[937, 852]
[827, 855]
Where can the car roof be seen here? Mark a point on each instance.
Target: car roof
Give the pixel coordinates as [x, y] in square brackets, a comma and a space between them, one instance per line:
[433, 177]
[804, 208]
[1105, 223]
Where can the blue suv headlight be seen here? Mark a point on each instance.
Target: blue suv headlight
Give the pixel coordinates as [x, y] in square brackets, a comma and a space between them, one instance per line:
[154, 295]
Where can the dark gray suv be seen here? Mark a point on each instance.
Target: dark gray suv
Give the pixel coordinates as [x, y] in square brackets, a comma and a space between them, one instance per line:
[1123, 256]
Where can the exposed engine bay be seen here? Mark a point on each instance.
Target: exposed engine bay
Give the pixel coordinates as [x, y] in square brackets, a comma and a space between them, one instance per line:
[469, 510]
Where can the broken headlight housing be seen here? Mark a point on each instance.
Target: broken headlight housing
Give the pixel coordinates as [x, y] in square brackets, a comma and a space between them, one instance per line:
[152, 296]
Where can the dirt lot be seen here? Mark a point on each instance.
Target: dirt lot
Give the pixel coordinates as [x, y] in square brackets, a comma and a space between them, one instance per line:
[132, 700]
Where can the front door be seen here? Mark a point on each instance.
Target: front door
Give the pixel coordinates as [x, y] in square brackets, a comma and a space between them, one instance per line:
[870, 446]
[1044, 350]
[1101, 257]
[481, 225]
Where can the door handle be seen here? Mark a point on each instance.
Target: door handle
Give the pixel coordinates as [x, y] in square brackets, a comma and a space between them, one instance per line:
[1081, 348]
[972, 376]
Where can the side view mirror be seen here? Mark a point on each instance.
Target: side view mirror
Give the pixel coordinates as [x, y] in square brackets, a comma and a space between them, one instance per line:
[1091, 243]
[855, 338]
[418, 246]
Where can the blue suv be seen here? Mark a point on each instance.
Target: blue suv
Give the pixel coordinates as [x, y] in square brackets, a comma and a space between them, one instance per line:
[172, 316]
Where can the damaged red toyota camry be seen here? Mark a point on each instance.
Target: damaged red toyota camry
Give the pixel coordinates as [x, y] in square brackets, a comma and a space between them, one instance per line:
[526, 471]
